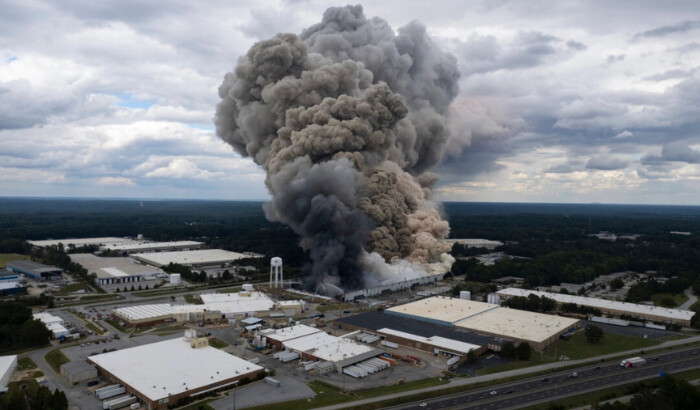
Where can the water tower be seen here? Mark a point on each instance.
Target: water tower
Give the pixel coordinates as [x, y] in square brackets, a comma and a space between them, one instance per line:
[276, 272]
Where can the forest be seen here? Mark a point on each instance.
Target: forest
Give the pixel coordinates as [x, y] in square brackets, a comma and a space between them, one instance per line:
[547, 243]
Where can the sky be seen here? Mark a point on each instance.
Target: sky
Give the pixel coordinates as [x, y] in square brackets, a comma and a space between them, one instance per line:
[568, 101]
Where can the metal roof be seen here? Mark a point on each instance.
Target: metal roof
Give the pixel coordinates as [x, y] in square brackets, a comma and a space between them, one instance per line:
[634, 308]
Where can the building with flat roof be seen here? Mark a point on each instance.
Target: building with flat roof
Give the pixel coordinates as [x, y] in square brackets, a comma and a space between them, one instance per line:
[146, 247]
[441, 309]
[78, 371]
[433, 344]
[195, 259]
[313, 344]
[538, 329]
[35, 270]
[117, 270]
[149, 315]
[239, 304]
[7, 367]
[6, 275]
[160, 374]
[611, 307]
[8, 288]
[476, 243]
[53, 323]
[78, 242]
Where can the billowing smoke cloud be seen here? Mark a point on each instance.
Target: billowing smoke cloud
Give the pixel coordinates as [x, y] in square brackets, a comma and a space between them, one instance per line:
[347, 119]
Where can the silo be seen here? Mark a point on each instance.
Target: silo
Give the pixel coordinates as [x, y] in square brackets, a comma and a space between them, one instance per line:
[175, 279]
[465, 294]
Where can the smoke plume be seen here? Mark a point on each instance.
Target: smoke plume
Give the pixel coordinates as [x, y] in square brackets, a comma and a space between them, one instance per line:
[346, 119]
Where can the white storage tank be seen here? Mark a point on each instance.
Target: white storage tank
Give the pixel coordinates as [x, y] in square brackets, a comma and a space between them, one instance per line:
[247, 287]
[493, 298]
[175, 279]
[465, 294]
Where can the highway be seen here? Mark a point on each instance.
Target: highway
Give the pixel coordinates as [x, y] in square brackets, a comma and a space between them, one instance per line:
[550, 387]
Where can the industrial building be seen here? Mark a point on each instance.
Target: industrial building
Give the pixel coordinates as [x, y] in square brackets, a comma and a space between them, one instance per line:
[6, 275]
[160, 374]
[611, 307]
[35, 270]
[78, 371]
[540, 330]
[113, 271]
[418, 334]
[196, 259]
[149, 315]
[313, 344]
[82, 242]
[392, 287]
[8, 288]
[146, 247]
[241, 304]
[53, 323]
[476, 243]
[7, 367]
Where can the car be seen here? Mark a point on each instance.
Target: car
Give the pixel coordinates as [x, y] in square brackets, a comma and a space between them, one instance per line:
[423, 405]
[596, 368]
[544, 379]
[41, 381]
[509, 392]
[493, 392]
[656, 359]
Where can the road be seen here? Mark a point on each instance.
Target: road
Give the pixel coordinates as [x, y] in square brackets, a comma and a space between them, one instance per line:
[691, 299]
[524, 371]
[545, 389]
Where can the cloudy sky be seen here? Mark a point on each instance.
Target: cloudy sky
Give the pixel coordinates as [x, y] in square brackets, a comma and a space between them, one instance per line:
[568, 101]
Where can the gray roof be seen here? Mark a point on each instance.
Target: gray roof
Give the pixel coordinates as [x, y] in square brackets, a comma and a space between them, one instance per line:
[31, 266]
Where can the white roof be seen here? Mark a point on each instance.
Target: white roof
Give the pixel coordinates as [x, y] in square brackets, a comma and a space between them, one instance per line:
[57, 328]
[202, 256]
[112, 267]
[47, 318]
[441, 308]
[289, 302]
[7, 365]
[474, 241]
[339, 349]
[172, 367]
[518, 324]
[141, 312]
[308, 342]
[150, 245]
[644, 310]
[236, 303]
[449, 344]
[83, 241]
[291, 332]
[9, 285]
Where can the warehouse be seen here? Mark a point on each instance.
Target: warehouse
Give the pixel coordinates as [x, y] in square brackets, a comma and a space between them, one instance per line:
[393, 286]
[82, 242]
[148, 315]
[239, 304]
[441, 310]
[540, 330]
[195, 259]
[376, 321]
[114, 271]
[53, 323]
[313, 344]
[35, 270]
[434, 344]
[146, 247]
[79, 371]
[6, 275]
[476, 243]
[7, 367]
[160, 374]
[611, 307]
[8, 288]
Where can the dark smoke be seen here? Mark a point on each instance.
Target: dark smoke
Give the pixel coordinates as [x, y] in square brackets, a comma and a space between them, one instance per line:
[346, 119]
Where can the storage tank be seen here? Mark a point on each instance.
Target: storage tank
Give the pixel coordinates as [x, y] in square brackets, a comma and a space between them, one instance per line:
[175, 279]
[465, 294]
[493, 298]
[247, 287]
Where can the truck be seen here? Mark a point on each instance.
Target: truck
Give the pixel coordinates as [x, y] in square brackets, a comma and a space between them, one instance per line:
[633, 362]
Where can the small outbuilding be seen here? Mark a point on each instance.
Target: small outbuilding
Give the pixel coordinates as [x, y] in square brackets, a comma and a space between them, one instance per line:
[79, 371]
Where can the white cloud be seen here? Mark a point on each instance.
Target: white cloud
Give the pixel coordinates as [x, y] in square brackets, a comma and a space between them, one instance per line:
[115, 181]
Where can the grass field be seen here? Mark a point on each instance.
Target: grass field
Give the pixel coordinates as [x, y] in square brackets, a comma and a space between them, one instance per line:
[25, 363]
[577, 348]
[55, 358]
[193, 299]
[219, 344]
[5, 257]
[73, 287]
[677, 299]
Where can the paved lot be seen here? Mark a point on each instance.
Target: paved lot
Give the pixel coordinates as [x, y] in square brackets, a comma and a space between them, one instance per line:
[262, 393]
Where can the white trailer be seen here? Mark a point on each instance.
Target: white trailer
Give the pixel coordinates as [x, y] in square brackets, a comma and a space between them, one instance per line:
[633, 362]
[111, 393]
[390, 344]
[106, 389]
[118, 403]
[289, 357]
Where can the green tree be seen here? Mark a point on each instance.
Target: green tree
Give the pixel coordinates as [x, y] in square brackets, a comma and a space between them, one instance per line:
[523, 351]
[668, 301]
[616, 284]
[508, 350]
[471, 356]
[593, 334]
